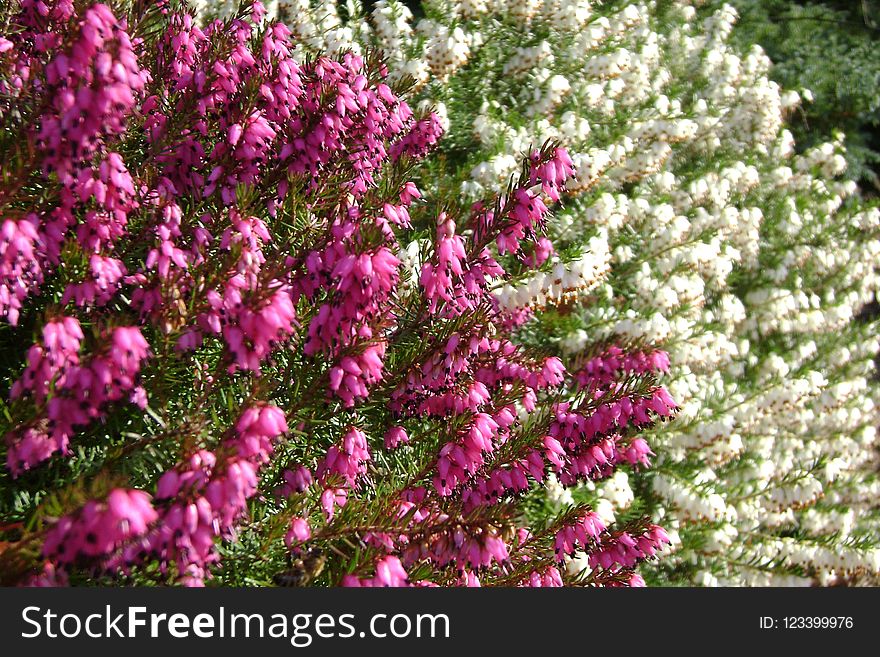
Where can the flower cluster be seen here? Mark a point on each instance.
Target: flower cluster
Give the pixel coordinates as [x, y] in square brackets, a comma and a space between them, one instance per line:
[361, 314]
[694, 240]
[91, 81]
[215, 218]
[100, 527]
[68, 393]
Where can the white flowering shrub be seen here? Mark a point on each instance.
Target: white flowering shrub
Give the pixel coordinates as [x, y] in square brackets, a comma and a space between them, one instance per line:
[693, 227]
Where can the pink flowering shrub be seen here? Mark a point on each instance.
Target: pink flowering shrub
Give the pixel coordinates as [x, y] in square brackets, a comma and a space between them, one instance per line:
[218, 366]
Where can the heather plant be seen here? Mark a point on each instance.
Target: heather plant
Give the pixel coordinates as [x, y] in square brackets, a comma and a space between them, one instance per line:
[695, 241]
[828, 49]
[242, 345]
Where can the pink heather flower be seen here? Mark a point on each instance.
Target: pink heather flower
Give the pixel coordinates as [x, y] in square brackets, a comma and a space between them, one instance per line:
[106, 274]
[100, 527]
[431, 392]
[81, 390]
[251, 331]
[91, 83]
[460, 459]
[451, 278]
[389, 572]
[552, 173]
[296, 480]
[30, 447]
[51, 576]
[51, 360]
[592, 445]
[394, 437]
[469, 579]
[362, 283]
[421, 138]
[553, 451]
[332, 498]
[636, 581]
[623, 550]
[549, 578]
[511, 319]
[128, 349]
[552, 373]
[523, 213]
[350, 378]
[512, 479]
[584, 533]
[460, 545]
[397, 215]
[409, 193]
[347, 460]
[299, 532]
[638, 452]
[609, 366]
[526, 218]
[662, 403]
[215, 499]
[21, 269]
[206, 498]
[256, 430]
[166, 255]
[541, 251]
[138, 397]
